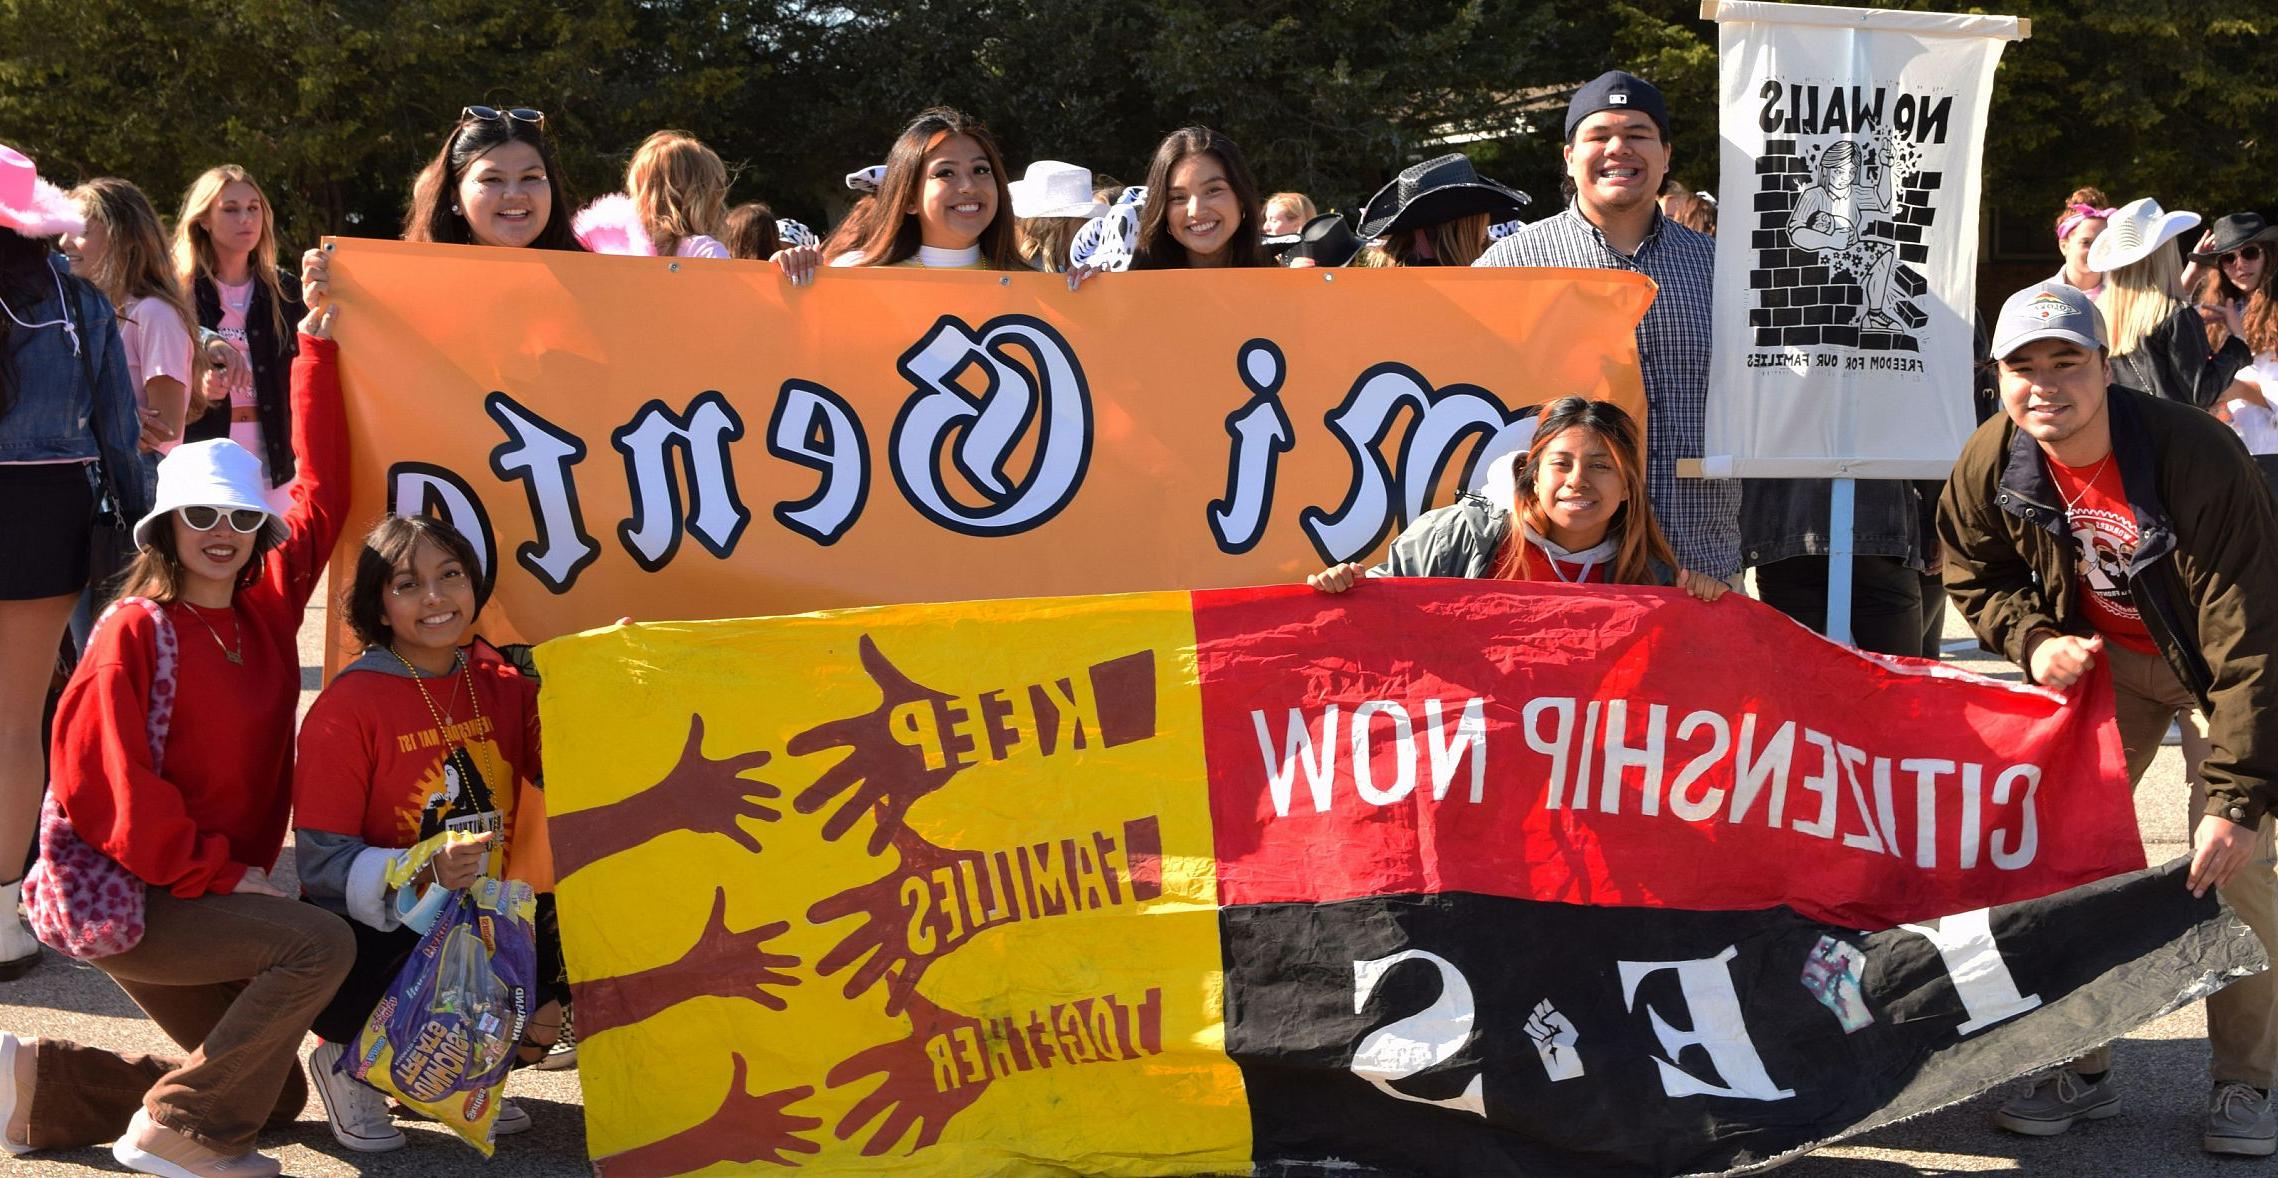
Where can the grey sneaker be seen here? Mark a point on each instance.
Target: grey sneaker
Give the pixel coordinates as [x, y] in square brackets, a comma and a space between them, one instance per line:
[357, 1112]
[2239, 1121]
[2057, 1098]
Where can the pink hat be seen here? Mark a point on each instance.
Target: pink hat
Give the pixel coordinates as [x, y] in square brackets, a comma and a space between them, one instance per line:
[32, 206]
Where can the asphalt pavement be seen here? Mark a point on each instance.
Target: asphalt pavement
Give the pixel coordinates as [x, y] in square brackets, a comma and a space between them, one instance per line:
[2161, 1067]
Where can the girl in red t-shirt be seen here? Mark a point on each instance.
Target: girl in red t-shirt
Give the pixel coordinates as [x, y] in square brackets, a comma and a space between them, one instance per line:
[1572, 508]
[423, 733]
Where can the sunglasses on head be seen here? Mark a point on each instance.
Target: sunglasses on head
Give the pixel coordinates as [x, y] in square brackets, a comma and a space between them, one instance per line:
[491, 114]
[2244, 253]
[243, 520]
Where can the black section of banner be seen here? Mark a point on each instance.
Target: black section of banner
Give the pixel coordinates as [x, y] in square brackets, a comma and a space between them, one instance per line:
[1460, 1034]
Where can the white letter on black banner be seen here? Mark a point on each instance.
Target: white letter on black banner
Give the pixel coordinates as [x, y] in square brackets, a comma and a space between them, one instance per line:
[1989, 991]
[1421, 1041]
[1717, 1028]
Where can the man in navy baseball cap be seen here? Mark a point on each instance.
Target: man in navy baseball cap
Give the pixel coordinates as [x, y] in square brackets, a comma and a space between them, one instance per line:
[1616, 90]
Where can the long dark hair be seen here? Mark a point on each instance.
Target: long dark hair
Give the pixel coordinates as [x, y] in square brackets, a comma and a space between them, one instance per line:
[388, 547]
[2261, 317]
[751, 231]
[430, 217]
[893, 234]
[1158, 250]
[24, 282]
[1638, 541]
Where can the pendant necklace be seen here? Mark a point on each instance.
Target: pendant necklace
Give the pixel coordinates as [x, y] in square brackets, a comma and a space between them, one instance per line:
[236, 657]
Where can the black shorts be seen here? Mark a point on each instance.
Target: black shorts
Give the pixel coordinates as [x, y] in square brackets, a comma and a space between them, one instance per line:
[47, 513]
[380, 956]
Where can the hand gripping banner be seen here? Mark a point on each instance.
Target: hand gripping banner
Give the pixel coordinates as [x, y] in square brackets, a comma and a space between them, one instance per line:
[681, 439]
[1426, 877]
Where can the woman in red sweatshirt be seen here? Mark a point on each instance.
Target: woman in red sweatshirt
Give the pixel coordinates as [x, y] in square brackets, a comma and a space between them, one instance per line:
[228, 965]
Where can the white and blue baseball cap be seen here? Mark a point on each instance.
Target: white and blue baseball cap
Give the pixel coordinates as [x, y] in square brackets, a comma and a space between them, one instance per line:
[2048, 310]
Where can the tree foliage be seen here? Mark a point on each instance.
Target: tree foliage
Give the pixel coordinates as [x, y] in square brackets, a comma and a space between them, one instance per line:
[336, 103]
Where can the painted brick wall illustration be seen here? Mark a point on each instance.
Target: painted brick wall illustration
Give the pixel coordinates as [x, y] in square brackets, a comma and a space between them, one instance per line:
[1803, 302]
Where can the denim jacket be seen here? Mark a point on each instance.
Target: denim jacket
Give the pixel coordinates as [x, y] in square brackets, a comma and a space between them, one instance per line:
[57, 414]
[1783, 518]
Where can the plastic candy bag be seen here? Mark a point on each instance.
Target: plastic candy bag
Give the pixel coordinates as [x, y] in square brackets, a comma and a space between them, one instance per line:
[442, 1038]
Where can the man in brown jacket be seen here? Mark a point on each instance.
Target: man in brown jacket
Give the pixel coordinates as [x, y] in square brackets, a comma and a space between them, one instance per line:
[2092, 521]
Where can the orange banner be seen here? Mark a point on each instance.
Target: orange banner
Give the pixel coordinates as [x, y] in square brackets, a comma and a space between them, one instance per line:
[667, 439]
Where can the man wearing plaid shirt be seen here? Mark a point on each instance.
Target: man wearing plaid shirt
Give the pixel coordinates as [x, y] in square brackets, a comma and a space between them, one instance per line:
[1617, 151]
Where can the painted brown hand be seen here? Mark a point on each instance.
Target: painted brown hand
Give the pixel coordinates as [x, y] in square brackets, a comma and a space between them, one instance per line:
[909, 1095]
[723, 964]
[746, 1130]
[699, 794]
[889, 945]
[880, 775]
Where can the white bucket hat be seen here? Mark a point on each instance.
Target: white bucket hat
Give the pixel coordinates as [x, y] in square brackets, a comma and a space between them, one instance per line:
[1054, 189]
[32, 206]
[2134, 230]
[217, 473]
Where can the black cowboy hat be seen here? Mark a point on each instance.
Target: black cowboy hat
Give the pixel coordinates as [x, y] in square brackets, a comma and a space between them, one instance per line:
[1437, 191]
[1326, 239]
[2232, 232]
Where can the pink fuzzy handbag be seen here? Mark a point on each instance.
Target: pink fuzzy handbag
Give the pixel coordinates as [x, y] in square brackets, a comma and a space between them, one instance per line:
[78, 900]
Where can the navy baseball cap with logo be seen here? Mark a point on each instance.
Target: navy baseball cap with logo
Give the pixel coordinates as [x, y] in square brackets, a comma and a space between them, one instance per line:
[1615, 90]
[2047, 310]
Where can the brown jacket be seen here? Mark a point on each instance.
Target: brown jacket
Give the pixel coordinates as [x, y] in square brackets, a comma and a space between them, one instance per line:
[2204, 576]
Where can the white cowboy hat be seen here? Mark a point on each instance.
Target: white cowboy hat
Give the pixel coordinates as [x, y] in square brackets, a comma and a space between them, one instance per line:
[32, 206]
[217, 473]
[1054, 189]
[2134, 230]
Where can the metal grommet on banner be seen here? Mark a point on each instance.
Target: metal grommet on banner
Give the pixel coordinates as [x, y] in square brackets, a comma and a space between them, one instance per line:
[1328, 277]
[675, 267]
[1005, 280]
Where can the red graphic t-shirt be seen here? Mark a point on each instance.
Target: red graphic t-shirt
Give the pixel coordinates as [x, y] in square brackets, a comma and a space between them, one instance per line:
[374, 766]
[2104, 526]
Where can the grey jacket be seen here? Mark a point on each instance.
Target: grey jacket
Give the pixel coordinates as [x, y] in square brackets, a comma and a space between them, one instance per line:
[1461, 540]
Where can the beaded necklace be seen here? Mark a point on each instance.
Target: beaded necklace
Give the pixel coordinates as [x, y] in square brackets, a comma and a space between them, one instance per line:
[467, 676]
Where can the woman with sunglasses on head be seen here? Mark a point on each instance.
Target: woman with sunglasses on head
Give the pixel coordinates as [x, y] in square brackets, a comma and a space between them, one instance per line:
[493, 182]
[942, 204]
[173, 759]
[66, 399]
[225, 257]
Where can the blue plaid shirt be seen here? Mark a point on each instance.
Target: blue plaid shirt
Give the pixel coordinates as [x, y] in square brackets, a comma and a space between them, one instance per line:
[1701, 517]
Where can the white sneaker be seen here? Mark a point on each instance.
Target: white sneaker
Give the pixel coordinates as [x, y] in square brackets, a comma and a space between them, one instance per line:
[511, 1120]
[19, 949]
[357, 1111]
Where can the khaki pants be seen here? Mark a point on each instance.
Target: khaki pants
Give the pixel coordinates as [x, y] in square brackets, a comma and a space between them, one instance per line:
[2242, 1019]
[234, 980]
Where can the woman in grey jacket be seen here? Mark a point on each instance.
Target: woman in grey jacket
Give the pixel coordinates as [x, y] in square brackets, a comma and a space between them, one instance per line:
[1572, 509]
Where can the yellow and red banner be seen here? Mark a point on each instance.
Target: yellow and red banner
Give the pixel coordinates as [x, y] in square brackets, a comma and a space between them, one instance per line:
[670, 439]
[1183, 883]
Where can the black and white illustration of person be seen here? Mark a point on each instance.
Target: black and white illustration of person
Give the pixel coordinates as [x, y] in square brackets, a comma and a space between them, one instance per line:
[1831, 218]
